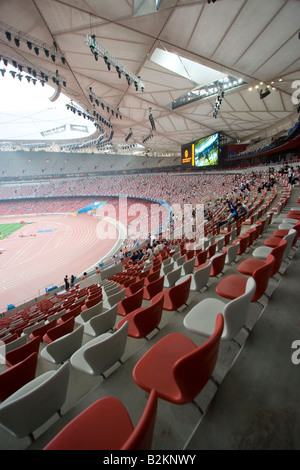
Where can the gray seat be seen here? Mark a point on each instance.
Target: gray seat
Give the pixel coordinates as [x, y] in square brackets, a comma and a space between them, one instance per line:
[101, 353]
[102, 323]
[87, 314]
[62, 348]
[199, 279]
[114, 299]
[231, 253]
[172, 277]
[35, 403]
[16, 343]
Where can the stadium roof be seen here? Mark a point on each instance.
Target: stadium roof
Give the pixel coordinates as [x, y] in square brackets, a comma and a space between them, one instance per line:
[175, 54]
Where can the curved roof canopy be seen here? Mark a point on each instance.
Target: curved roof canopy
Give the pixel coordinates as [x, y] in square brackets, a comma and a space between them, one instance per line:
[149, 71]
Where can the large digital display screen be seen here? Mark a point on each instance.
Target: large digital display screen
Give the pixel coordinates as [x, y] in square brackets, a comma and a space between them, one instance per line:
[202, 152]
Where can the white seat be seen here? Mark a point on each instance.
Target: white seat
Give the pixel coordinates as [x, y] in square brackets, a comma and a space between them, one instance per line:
[107, 292]
[232, 234]
[180, 261]
[102, 323]
[188, 266]
[89, 313]
[114, 299]
[167, 268]
[172, 277]
[231, 254]
[201, 319]
[35, 403]
[167, 261]
[220, 243]
[101, 353]
[176, 255]
[262, 252]
[290, 221]
[16, 343]
[62, 348]
[199, 279]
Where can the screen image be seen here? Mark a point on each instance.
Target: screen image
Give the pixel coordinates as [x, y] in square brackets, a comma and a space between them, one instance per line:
[207, 151]
[187, 155]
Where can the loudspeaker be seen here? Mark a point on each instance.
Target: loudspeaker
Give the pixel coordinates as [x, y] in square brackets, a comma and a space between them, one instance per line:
[264, 94]
[56, 94]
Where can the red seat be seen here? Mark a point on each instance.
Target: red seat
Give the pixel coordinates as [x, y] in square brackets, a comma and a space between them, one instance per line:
[243, 241]
[211, 251]
[176, 296]
[217, 264]
[133, 288]
[42, 330]
[153, 288]
[91, 302]
[20, 353]
[177, 368]
[10, 338]
[280, 233]
[130, 303]
[201, 258]
[144, 320]
[234, 285]
[59, 330]
[106, 425]
[13, 378]
[152, 277]
[250, 265]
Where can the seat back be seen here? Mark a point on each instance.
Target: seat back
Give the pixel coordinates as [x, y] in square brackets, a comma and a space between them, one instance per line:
[136, 286]
[201, 276]
[62, 348]
[290, 237]
[231, 253]
[172, 277]
[152, 277]
[217, 264]
[42, 330]
[220, 243]
[179, 294]
[142, 436]
[20, 353]
[189, 266]
[235, 312]
[116, 298]
[278, 253]
[59, 330]
[15, 344]
[262, 276]
[102, 323]
[201, 258]
[106, 352]
[130, 303]
[90, 312]
[212, 250]
[32, 405]
[167, 268]
[13, 378]
[148, 318]
[193, 370]
[153, 288]
[244, 240]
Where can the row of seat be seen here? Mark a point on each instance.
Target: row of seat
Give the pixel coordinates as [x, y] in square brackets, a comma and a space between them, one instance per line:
[158, 302]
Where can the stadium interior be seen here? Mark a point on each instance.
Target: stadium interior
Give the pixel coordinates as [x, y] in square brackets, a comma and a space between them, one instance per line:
[188, 325]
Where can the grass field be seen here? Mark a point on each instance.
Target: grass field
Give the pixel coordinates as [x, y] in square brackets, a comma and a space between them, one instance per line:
[7, 229]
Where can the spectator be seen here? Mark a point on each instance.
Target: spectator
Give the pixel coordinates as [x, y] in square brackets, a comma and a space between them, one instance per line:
[67, 283]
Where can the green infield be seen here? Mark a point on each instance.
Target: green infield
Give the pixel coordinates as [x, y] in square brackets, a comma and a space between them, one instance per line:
[7, 229]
